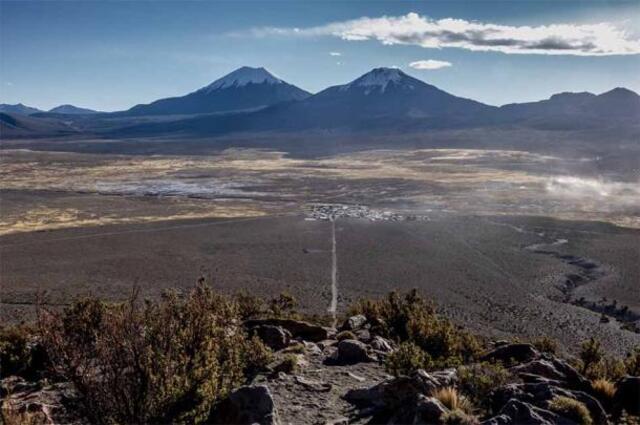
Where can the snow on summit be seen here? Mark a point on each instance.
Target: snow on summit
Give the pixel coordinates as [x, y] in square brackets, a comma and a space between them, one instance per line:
[377, 78]
[243, 76]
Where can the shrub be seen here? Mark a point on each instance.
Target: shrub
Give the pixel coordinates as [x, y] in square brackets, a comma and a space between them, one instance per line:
[632, 362]
[289, 364]
[15, 353]
[546, 344]
[610, 368]
[345, 335]
[477, 381]
[283, 306]
[410, 318]
[591, 353]
[249, 306]
[571, 409]
[144, 362]
[407, 359]
[604, 390]
[453, 400]
[458, 417]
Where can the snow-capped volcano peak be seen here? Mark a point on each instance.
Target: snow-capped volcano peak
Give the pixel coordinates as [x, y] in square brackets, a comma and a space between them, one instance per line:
[378, 78]
[243, 76]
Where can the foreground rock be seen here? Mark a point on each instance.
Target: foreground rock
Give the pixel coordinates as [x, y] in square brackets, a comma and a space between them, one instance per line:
[628, 395]
[351, 351]
[297, 328]
[246, 405]
[512, 353]
[27, 403]
[275, 337]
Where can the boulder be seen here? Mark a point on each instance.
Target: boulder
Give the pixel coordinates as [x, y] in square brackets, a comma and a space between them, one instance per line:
[354, 323]
[628, 395]
[246, 405]
[509, 353]
[351, 351]
[380, 344]
[27, 403]
[425, 410]
[516, 412]
[552, 369]
[297, 328]
[275, 337]
[364, 335]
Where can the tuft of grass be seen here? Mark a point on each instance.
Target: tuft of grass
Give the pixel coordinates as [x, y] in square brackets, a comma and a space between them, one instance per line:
[632, 362]
[289, 365]
[571, 409]
[604, 390]
[345, 335]
[297, 348]
[453, 400]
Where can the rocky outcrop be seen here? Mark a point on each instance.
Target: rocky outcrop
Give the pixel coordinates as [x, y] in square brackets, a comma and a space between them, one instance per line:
[516, 412]
[552, 370]
[351, 351]
[246, 405]
[297, 328]
[28, 403]
[540, 394]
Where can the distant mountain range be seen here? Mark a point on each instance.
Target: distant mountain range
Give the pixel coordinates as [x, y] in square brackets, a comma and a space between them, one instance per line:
[382, 100]
[28, 110]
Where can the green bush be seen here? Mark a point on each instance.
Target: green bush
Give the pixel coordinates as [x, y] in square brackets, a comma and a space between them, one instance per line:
[546, 344]
[152, 362]
[407, 359]
[477, 381]
[591, 354]
[19, 355]
[632, 362]
[571, 409]
[409, 318]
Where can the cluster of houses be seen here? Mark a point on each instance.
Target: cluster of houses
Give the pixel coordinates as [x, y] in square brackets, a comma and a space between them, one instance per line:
[334, 211]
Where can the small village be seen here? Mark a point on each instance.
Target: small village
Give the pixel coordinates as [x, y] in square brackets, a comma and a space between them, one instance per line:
[328, 212]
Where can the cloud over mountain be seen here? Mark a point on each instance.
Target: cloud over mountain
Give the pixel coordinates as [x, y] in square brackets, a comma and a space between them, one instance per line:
[429, 64]
[601, 39]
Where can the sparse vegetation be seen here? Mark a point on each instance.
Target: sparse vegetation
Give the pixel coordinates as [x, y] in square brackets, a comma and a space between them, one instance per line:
[146, 362]
[410, 318]
[591, 354]
[572, 409]
[478, 380]
[546, 344]
[632, 362]
[406, 359]
[458, 417]
[288, 365]
[604, 390]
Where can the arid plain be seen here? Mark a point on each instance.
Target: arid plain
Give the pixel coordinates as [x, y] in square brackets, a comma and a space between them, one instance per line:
[506, 242]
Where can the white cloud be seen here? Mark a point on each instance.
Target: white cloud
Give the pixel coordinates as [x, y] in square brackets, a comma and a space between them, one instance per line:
[429, 64]
[599, 39]
[335, 54]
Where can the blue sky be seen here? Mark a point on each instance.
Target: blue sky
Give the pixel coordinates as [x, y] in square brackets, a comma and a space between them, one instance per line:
[112, 55]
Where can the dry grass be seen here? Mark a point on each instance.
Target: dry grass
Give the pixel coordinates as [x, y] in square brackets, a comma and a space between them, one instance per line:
[571, 409]
[453, 400]
[604, 390]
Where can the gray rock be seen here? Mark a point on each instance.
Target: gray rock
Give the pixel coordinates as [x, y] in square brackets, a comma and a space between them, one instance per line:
[363, 335]
[351, 351]
[246, 405]
[354, 323]
[512, 353]
[312, 348]
[628, 395]
[313, 385]
[298, 328]
[380, 344]
[428, 410]
[275, 337]
[517, 412]
[554, 371]
[28, 403]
